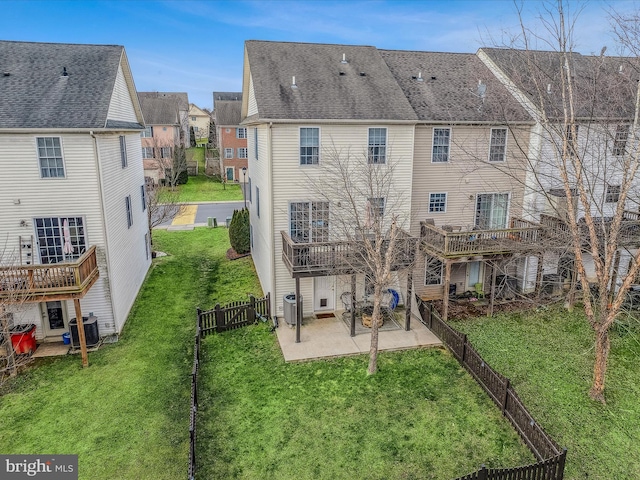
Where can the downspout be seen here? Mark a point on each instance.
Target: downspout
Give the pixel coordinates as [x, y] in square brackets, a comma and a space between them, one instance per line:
[96, 155]
[272, 257]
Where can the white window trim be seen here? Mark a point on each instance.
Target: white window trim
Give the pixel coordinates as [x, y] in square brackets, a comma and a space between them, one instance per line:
[64, 164]
[386, 145]
[238, 133]
[506, 140]
[238, 154]
[446, 201]
[319, 146]
[433, 133]
[228, 150]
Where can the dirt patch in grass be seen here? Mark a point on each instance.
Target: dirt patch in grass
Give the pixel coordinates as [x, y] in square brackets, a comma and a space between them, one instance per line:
[233, 255]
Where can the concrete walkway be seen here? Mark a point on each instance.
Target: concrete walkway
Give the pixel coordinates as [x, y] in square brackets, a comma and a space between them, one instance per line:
[329, 337]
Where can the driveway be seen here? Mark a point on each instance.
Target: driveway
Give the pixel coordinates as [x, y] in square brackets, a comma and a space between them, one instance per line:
[196, 214]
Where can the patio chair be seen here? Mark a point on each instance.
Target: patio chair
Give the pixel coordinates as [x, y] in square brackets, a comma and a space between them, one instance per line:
[479, 291]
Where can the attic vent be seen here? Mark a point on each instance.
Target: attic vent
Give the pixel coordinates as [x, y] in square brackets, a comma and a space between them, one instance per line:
[342, 74]
[64, 72]
[418, 78]
[293, 82]
[344, 58]
[362, 74]
[548, 88]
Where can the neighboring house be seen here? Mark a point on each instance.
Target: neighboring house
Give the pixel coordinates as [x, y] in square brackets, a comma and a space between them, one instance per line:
[167, 126]
[291, 124]
[605, 112]
[231, 136]
[199, 120]
[73, 225]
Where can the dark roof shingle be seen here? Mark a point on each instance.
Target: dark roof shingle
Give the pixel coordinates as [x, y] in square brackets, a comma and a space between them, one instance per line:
[361, 89]
[34, 93]
[228, 112]
[163, 108]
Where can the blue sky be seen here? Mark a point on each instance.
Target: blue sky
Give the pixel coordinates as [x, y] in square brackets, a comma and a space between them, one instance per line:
[197, 46]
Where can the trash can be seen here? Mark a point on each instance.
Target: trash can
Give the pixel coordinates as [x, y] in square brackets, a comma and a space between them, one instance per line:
[289, 308]
[66, 338]
[91, 333]
[23, 338]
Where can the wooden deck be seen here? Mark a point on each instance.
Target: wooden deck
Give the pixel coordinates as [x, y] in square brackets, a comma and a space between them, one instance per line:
[522, 236]
[559, 232]
[56, 281]
[319, 259]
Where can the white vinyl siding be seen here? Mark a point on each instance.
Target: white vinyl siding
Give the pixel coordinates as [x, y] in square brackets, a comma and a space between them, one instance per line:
[50, 157]
[121, 106]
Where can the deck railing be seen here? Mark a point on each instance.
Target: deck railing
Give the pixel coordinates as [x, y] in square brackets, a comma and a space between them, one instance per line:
[558, 230]
[443, 242]
[339, 257]
[19, 283]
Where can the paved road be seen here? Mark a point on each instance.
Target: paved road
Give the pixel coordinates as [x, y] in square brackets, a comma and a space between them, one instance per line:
[197, 214]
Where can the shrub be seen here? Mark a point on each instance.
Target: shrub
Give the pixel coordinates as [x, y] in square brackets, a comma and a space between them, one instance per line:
[239, 235]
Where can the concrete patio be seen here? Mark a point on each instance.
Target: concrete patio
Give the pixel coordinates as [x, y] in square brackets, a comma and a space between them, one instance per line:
[329, 337]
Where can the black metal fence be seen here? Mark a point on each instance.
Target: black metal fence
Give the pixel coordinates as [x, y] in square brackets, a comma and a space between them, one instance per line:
[233, 315]
[551, 457]
[221, 318]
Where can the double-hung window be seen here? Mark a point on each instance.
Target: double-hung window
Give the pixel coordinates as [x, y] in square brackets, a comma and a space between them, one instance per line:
[620, 140]
[50, 157]
[165, 152]
[309, 221]
[309, 146]
[123, 150]
[60, 239]
[498, 145]
[147, 132]
[228, 153]
[127, 201]
[242, 152]
[437, 202]
[377, 145]
[613, 194]
[147, 152]
[376, 209]
[241, 132]
[441, 143]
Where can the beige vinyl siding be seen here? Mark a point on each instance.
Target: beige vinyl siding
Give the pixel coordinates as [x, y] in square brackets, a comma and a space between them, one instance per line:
[77, 194]
[263, 238]
[289, 184]
[252, 108]
[121, 107]
[127, 260]
[467, 173]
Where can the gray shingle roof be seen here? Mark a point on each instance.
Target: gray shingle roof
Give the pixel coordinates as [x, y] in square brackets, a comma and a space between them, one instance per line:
[601, 88]
[163, 108]
[35, 94]
[223, 96]
[322, 91]
[449, 89]
[228, 112]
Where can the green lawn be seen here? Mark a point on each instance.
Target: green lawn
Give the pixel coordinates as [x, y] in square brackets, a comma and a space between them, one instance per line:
[206, 189]
[548, 355]
[126, 416]
[420, 417]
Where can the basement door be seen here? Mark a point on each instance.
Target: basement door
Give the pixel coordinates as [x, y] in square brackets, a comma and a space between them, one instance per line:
[54, 318]
[323, 293]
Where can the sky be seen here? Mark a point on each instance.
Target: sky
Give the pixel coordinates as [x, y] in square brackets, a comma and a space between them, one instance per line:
[196, 46]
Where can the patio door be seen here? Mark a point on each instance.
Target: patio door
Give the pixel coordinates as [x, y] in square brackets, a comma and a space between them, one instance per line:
[323, 293]
[491, 210]
[55, 320]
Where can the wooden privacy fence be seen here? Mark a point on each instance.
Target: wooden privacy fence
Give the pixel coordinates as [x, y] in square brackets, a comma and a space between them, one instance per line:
[233, 315]
[551, 457]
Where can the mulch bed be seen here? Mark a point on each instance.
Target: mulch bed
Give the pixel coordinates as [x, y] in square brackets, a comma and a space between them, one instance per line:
[233, 255]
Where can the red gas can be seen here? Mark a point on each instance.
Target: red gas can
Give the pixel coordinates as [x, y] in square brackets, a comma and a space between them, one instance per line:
[23, 338]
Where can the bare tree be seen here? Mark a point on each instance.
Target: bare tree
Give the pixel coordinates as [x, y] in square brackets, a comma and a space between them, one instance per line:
[367, 212]
[586, 110]
[162, 205]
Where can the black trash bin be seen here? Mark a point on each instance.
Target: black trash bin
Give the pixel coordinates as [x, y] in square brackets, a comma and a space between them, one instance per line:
[91, 333]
